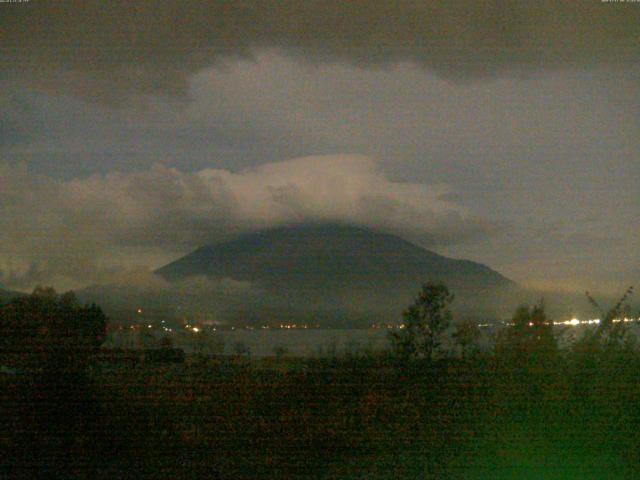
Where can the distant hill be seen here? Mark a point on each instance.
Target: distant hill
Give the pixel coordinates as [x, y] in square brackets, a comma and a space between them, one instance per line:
[340, 275]
[7, 295]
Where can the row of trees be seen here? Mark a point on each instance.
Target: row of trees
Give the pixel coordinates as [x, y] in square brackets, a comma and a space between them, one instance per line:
[47, 330]
[428, 320]
[47, 340]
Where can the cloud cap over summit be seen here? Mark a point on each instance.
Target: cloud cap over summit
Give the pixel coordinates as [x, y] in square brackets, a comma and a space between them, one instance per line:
[87, 223]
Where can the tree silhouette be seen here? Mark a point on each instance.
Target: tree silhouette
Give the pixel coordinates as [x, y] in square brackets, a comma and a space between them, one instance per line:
[424, 323]
[46, 331]
[466, 335]
[48, 340]
[610, 327]
[530, 336]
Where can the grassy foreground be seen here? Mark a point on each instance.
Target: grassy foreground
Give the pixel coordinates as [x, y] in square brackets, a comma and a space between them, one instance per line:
[557, 417]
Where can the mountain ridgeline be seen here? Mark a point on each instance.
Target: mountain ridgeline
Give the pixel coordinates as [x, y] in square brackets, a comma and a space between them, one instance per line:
[339, 275]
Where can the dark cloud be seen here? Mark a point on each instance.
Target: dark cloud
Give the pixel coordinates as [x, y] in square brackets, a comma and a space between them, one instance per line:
[553, 155]
[103, 49]
[18, 121]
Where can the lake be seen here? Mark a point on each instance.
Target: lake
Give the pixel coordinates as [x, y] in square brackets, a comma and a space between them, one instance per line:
[298, 342]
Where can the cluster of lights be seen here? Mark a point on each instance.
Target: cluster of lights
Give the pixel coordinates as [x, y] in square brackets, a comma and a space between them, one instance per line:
[288, 326]
[196, 329]
[625, 320]
[595, 321]
[574, 322]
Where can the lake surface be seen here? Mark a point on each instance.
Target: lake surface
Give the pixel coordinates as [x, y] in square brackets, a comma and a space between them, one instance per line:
[267, 342]
[296, 342]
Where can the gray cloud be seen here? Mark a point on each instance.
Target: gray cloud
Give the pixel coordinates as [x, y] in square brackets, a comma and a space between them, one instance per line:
[103, 50]
[551, 152]
[83, 230]
[539, 127]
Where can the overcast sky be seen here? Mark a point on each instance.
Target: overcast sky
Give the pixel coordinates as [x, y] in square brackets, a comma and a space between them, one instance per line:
[503, 132]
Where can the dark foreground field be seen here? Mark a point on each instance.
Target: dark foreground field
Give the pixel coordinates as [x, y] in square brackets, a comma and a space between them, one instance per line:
[488, 417]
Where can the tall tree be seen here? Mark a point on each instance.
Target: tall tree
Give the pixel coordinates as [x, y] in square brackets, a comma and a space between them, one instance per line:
[424, 323]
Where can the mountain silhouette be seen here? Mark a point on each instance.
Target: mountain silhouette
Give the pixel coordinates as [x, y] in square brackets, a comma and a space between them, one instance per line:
[339, 275]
